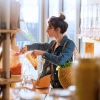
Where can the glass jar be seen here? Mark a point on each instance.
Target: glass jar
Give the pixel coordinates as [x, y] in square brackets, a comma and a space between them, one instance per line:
[87, 79]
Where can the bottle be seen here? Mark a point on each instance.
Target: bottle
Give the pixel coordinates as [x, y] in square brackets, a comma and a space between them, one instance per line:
[87, 79]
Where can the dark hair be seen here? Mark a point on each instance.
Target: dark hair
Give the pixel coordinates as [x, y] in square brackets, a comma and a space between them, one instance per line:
[58, 22]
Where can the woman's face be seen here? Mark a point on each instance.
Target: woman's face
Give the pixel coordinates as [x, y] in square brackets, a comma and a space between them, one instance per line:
[51, 31]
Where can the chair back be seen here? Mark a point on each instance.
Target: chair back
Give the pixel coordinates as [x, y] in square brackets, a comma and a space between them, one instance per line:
[44, 82]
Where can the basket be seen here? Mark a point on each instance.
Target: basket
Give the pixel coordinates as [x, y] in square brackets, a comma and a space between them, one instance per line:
[66, 77]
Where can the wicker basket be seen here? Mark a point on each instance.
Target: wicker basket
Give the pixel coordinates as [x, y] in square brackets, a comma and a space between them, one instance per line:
[65, 76]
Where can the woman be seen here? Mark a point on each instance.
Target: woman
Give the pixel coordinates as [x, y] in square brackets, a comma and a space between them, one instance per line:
[53, 52]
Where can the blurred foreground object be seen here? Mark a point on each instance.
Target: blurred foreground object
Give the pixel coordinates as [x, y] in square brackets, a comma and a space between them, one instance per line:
[87, 79]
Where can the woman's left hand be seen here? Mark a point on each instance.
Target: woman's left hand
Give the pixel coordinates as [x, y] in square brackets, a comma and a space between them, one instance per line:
[35, 53]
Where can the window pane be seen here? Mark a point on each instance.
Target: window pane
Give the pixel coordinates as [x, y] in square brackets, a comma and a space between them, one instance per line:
[53, 8]
[29, 22]
[70, 13]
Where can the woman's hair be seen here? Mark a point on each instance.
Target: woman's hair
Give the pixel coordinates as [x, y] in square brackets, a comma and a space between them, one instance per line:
[58, 22]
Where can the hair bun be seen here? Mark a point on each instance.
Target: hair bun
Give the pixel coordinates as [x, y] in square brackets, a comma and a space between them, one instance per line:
[62, 16]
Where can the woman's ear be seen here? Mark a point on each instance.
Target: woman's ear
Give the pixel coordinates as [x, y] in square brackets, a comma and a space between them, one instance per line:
[58, 29]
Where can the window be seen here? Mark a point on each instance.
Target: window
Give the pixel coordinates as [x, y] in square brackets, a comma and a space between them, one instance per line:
[70, 13]
[53, 8]
[29, 22]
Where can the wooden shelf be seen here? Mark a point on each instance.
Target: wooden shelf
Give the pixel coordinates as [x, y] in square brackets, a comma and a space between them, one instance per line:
[87, 39]
[13, 79]
[11, 31]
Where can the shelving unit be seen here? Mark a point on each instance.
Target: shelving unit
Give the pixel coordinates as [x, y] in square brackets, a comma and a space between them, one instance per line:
[9, 17]
[5, 36]
[13, 79]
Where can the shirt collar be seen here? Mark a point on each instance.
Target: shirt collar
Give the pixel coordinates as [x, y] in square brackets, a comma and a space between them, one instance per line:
[64, 39]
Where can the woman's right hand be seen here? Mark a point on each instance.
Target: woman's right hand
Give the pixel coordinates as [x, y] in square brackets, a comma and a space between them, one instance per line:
[23, 50]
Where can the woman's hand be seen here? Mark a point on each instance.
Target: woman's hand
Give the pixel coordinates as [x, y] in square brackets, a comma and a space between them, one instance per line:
[35, 53]
[23, 50]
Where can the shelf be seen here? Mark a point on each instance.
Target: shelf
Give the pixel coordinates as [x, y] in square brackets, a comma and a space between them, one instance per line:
[11, 31]
[87, 39]
[13, 79]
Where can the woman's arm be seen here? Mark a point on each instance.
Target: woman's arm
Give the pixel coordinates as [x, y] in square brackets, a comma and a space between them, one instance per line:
[63, 57]
[38, 46]
[34, 46]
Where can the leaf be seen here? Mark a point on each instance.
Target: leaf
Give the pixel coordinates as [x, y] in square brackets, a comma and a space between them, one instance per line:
[67, 64]
[58, 67]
